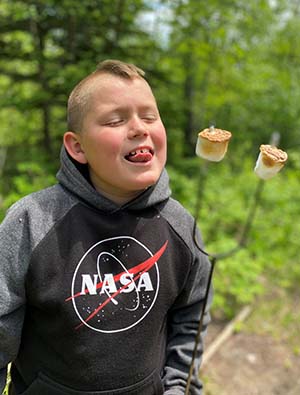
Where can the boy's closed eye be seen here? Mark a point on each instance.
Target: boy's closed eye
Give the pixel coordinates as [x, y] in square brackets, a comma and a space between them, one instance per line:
[114, 122]
[119, 121]
[149, 117]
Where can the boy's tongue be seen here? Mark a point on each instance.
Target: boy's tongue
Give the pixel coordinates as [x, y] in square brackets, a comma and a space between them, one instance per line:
[140, 157]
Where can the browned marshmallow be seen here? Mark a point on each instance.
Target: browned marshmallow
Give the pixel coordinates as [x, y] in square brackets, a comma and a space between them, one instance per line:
[212, 144]
[270, 161]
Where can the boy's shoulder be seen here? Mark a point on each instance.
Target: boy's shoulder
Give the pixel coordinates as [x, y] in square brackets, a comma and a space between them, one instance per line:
[174, 210]
[43, 206]
[45, 199]
[180, 219]
[37, 213]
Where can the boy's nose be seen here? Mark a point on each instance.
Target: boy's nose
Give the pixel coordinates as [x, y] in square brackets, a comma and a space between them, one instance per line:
[137, 128]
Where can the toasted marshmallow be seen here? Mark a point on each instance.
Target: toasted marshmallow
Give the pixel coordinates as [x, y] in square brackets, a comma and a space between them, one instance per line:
[212, 144]
[270, 161]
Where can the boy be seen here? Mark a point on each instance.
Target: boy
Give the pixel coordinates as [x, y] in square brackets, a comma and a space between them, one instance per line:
[101, 285]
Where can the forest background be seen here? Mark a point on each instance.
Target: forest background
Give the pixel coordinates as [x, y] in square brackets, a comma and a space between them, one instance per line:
[231, 63]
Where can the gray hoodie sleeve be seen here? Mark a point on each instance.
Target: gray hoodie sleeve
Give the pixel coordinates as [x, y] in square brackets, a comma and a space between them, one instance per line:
[185, 315]
[24, 226]
[14, 247]
[183, 323]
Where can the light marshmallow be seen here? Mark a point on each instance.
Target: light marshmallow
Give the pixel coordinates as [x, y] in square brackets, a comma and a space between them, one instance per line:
[212, 144]
[270, 161]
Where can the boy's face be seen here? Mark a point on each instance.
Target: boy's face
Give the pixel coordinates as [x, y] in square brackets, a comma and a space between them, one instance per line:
[123, 139]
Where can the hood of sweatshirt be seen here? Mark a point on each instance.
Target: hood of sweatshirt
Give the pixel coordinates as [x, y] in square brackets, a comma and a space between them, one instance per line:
[74, 177]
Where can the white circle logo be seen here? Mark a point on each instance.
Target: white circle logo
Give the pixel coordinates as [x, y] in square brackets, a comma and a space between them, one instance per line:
[115, 284]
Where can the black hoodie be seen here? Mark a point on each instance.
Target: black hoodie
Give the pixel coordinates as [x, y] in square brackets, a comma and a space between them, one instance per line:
[98, 298]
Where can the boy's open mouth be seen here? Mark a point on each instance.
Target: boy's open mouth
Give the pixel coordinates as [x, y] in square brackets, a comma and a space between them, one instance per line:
[140, 155]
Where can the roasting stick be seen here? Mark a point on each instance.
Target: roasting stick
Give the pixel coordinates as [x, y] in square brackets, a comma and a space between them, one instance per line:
[202, 150]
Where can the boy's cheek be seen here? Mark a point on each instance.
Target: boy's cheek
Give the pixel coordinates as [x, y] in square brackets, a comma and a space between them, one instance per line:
[108, 142]
[159, 134]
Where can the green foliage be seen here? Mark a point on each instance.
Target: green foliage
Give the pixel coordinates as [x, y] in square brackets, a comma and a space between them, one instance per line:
[282, 304]
[31, 177]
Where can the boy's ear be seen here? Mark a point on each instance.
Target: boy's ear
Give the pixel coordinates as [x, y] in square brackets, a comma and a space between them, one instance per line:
[73, 146]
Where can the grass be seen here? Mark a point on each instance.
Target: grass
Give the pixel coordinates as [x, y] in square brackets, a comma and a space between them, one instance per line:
[277, 313]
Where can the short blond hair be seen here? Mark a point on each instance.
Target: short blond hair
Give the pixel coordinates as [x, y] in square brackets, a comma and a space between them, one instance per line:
[78, 102]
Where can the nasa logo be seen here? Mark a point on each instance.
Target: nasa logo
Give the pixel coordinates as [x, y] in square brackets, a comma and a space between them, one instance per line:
[115, 284]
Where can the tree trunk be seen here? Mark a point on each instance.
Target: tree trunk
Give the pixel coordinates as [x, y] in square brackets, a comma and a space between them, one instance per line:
[39, 34]
[47, 142]
[189, 97]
